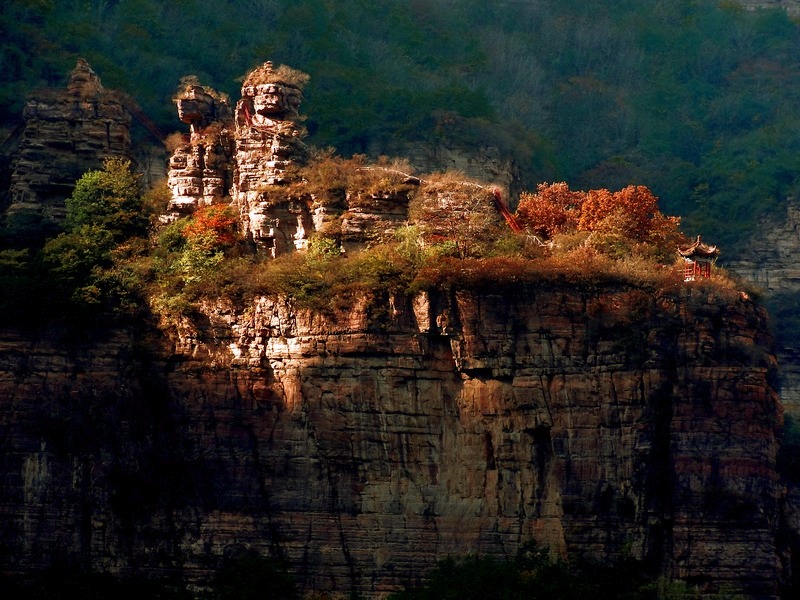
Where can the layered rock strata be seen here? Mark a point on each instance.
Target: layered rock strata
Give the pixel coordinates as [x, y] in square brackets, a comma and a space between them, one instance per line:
[268, 143]
[66, 134]
[366, 443]
[201, 168]
[769, 260]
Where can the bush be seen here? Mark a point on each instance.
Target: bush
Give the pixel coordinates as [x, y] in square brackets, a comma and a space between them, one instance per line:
[533, 573]
[110, 199]
[623, 223]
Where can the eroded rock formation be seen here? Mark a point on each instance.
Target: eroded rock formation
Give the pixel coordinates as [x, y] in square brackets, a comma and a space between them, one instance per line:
[260, 167]
[67, 132]
[267, 144]
[201, 168]
[371, 441]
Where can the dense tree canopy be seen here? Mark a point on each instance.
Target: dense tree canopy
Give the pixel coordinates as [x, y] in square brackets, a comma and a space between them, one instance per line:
[696, 99]
[631, 216]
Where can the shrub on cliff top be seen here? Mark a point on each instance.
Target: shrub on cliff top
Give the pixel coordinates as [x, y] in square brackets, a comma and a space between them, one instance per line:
[329, 178]
[267, 73]
[625, 222]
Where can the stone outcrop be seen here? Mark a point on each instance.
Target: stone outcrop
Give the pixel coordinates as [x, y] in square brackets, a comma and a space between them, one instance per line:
[267, 144]
[792, 7]
[367, 442]
[769, 259]
[67, 132]
[257, 159]
[483, 161]
[201, 168]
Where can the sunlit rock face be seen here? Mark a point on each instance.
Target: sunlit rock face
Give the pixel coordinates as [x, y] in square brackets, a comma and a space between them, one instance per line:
[67, 132]
[268, 144]
[201, 166]
[368, 441]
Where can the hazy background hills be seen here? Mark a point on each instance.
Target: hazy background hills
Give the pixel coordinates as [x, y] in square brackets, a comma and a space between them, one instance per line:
[697, 99]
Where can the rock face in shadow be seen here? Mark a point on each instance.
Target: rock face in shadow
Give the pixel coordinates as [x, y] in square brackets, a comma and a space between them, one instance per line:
[368, 442]
[769, 260]
[67, 132]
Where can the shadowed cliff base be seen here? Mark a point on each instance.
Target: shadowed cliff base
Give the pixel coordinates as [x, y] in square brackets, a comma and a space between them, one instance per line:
[605, 421]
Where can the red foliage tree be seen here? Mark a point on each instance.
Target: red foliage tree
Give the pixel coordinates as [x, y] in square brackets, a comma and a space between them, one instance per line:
[627, 217]
[213, 224]
[631, 212]
[553, 209]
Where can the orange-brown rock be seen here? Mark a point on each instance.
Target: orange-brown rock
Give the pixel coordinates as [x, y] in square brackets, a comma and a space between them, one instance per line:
[268, 143]
[67, 132]
[201, 168]
[371, 441]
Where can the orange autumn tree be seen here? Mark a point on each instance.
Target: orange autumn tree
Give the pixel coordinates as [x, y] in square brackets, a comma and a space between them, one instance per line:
[208, 233]
[211, 225]
[553, 209]
[622, 220]
[632, 212]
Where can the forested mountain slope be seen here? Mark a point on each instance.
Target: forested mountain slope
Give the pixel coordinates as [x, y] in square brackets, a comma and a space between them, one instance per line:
[696, 99]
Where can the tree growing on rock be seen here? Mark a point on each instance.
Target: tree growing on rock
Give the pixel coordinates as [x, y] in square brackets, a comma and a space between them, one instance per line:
[619, 220]
[110, 198]
[105, 210]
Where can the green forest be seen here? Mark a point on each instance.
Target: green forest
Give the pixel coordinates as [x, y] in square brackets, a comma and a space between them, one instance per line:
[697, 99]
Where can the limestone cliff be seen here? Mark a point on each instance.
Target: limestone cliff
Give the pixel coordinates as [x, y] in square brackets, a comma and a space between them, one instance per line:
[201, 168]
[369, 442]
[792, 7]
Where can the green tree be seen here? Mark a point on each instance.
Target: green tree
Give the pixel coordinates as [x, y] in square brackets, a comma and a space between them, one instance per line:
[110, 199]
[105, 209]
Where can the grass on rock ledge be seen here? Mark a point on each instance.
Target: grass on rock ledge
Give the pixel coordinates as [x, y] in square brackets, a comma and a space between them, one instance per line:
[325, 280]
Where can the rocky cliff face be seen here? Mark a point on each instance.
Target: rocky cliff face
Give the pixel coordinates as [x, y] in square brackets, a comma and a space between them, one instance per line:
[769, 259]
[71, 132]
[267, 144]
[484, 162]
[201, 168]
[369, 442]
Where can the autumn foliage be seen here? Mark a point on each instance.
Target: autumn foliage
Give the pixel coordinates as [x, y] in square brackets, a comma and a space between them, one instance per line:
[553, 209]
[214, 223]
[631, 214]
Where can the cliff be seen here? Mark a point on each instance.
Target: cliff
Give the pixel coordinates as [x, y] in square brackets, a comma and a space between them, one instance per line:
[768, 259]
[364, 444]
[792, 7]
[70, 131]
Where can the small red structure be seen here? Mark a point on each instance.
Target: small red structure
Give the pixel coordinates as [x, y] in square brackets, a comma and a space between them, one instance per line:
[504, 210]
[698, 259]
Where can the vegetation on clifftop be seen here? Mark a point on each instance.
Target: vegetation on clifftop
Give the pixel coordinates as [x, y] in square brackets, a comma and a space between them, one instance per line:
[696, 99]
[110, 261]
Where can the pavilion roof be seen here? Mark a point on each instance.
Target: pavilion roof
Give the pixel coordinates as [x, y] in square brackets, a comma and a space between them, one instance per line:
[699, 250]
